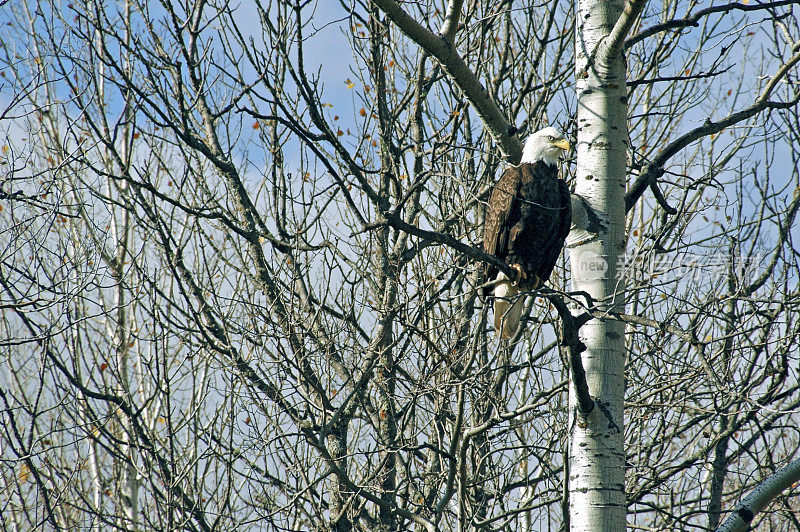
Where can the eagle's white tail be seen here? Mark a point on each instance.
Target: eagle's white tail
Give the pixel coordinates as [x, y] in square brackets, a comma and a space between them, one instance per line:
[507, 307]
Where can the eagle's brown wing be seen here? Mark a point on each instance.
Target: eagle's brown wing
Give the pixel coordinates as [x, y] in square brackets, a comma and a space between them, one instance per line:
[554, 244]
[496, 229]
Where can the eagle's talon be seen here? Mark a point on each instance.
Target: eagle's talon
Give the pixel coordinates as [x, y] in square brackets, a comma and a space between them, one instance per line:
[520, 274]
[536, 282]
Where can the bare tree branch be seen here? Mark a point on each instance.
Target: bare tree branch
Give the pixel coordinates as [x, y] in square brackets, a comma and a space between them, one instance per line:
[692, 20]
[741, 517]
[440, 48]
[655, 169]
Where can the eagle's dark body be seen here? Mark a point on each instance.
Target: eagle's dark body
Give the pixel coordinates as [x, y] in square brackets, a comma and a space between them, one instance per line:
[527, 220]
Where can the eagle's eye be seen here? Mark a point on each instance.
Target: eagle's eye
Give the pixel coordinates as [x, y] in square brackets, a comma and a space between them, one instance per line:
[551, 138]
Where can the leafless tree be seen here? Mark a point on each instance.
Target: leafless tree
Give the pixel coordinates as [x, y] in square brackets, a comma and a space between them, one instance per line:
[240, 260]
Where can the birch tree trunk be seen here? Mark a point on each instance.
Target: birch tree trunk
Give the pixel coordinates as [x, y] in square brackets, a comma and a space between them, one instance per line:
[597, 455]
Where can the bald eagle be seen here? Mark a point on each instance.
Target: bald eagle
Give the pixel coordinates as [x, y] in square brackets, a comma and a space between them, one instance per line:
[527, 221]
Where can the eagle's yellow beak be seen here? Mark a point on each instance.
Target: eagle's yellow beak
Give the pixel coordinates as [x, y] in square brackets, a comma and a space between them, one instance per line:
[562, 143]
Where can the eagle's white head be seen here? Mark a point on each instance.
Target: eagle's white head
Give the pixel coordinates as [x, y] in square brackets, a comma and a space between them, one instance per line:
[545, 145]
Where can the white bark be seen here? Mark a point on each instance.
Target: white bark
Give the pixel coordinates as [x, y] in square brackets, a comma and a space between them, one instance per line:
[129, 481]
[745, 511]
[96, 480]
[597, 456]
